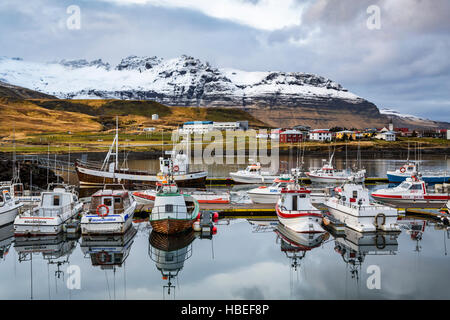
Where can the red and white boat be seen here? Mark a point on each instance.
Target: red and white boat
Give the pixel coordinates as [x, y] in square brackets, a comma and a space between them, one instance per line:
[147, 197]
[413, 193]
[295, 211]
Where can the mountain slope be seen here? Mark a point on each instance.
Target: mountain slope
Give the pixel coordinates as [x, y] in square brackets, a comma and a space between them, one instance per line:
[412, 122]
[302, 98]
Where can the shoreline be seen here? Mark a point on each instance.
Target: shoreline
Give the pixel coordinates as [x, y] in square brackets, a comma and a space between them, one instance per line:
[372, 151]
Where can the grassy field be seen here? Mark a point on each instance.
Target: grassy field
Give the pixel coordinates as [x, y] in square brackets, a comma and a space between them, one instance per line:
[157, 141]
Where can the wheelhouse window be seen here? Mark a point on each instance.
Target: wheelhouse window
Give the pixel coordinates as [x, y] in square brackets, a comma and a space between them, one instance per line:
[56, 201]
[169, 207]
[416, 187]
[107, 202]
[7, 196]
[355, 194]
[117, 200]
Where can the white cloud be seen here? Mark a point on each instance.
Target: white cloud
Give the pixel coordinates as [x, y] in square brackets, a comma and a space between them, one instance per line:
[264, 14]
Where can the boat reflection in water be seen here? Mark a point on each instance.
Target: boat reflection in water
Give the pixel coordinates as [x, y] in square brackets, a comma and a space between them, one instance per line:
[295, 244]
[169, 252]
[108, 251]
[6, 239]
[56, 249]
[355, 246]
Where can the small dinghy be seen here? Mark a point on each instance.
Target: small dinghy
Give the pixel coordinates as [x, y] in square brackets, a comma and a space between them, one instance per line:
[111, 211]
[295, 211]
[58, 205]
[173, 212]
[351, 205]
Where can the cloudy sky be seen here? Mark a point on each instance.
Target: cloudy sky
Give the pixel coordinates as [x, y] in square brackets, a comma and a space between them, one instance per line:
[403, 65]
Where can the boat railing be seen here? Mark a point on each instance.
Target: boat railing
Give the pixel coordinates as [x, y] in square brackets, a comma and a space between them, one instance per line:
[52, 212]
[114, 211]
[177, 212]
[362, 207]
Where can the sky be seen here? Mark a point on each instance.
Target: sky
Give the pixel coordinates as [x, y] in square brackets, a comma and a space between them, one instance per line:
[403, 63]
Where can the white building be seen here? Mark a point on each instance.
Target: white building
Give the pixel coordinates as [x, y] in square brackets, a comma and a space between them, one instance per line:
[320, 135]
[155, 116]
[207, 126]
[386, 135]
[448, 134]
[197, 127]
[149, 129]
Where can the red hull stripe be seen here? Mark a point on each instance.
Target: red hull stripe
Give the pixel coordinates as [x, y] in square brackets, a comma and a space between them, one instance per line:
[401, 197]
[296, 215]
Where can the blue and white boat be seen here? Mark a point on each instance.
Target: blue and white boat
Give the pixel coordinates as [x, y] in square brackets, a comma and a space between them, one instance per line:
[410, 169]
[111, 212]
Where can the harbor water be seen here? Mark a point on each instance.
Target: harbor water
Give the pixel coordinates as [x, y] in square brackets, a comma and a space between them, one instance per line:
[248, 258]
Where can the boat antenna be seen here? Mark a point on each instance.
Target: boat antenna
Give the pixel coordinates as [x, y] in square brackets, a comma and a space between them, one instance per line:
[117, 142]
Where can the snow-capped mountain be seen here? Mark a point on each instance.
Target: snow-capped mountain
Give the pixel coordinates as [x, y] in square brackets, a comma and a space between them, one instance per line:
[391, 112]
[183, 80]
[411, 121]
[186, 81]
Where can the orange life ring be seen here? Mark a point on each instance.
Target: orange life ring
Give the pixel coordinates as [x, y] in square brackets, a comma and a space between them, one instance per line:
[402, 169]
[98, 210]
[176, 168]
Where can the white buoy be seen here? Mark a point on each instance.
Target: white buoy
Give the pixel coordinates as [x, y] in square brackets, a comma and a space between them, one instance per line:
[196, 226]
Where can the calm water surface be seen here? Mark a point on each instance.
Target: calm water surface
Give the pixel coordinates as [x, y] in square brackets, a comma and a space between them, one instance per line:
[244, 260]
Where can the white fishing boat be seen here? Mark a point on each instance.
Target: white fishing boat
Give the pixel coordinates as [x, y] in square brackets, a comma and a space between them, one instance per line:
[253, 174]
[111, 211]
[328, 174]
[352, 206]
[9, 208]
[414, 193]
[411, 169]
[58, 205]
[295, 210]
[264, 194]
[173, 212]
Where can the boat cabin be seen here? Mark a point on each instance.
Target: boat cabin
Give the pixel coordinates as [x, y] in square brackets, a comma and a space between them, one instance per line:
[14, 189]
[254, 168]
[108, 201]
[55, 202]
[413, 185]
[354, 194]
[282, 182]
[4, 197]
[296, 199]
[178, 164]
[409, 168]
[169, 203]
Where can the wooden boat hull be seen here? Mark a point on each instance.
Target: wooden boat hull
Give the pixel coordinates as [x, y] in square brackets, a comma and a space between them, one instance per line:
[171, 226]
[94, 178]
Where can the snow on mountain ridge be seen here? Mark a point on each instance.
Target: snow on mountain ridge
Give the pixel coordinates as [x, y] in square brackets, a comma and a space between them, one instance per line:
[391, 112]
[179, 81]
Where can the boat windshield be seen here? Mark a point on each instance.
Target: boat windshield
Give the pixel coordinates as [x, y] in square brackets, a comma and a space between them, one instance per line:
[405, 185]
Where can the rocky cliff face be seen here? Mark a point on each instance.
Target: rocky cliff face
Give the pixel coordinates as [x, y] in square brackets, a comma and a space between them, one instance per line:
[297, 98]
